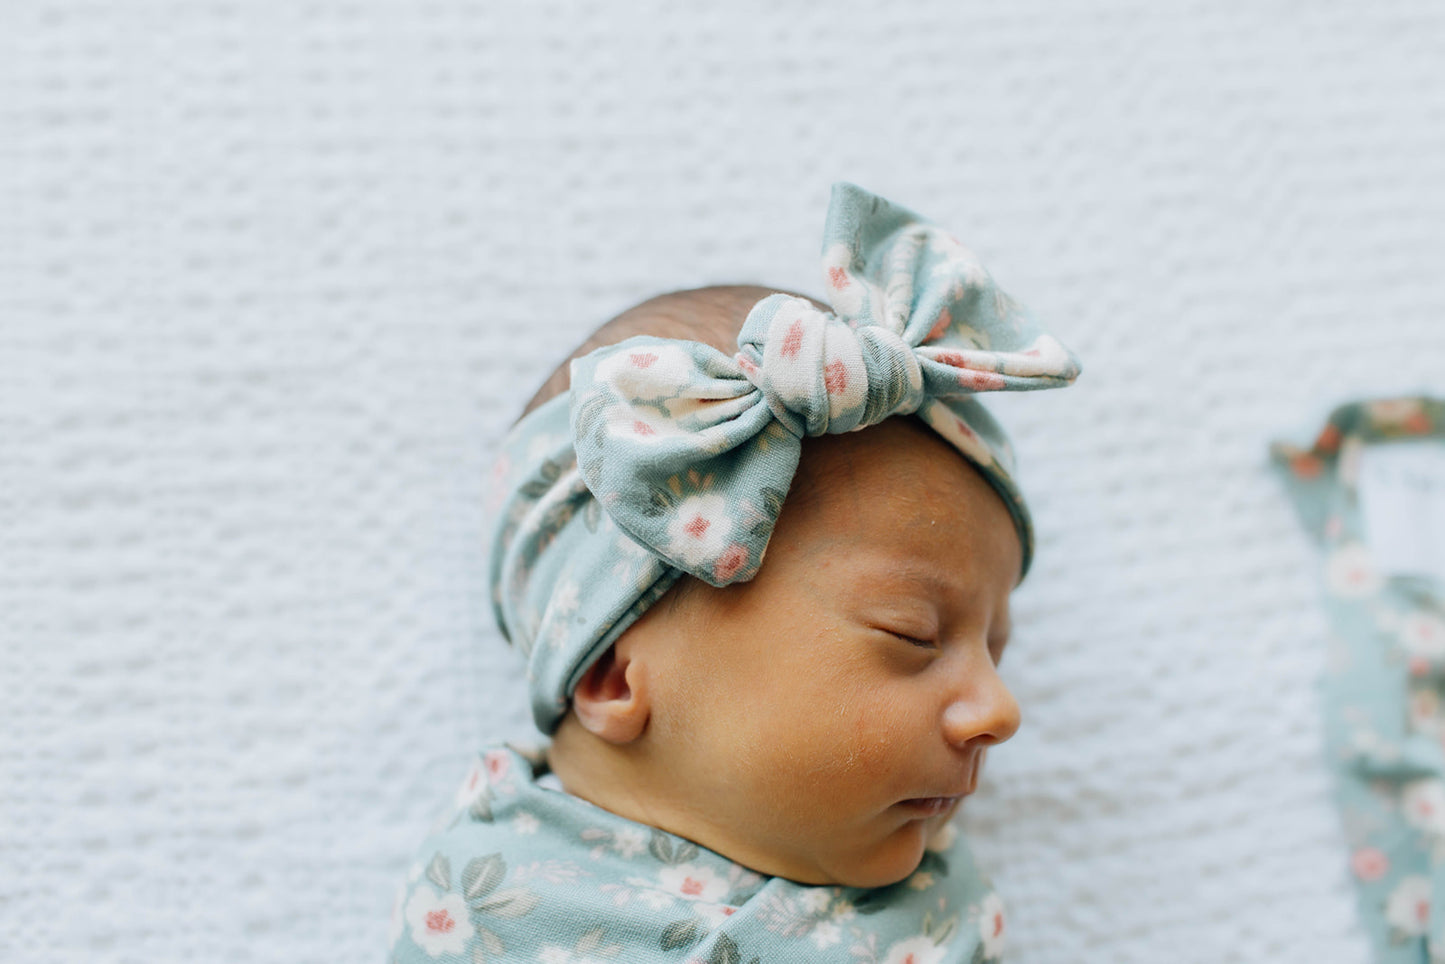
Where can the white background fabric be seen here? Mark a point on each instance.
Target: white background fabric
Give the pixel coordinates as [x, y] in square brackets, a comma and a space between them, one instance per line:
[275, 275]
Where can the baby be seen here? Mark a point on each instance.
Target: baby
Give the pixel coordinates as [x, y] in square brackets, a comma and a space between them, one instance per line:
[749, 762]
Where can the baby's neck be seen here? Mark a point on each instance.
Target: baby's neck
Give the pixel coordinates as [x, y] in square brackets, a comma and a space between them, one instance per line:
[615, 778]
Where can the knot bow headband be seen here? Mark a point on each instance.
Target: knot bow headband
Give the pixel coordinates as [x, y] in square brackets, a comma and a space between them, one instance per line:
[669, 457]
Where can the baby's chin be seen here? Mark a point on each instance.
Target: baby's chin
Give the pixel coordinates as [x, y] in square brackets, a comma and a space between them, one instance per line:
[888, 862]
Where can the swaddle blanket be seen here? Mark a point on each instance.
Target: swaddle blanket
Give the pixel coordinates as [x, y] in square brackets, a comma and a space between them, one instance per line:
[1370, 490]
[518, 872]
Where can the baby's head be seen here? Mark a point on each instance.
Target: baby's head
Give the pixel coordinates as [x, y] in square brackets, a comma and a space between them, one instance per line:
[817, 716]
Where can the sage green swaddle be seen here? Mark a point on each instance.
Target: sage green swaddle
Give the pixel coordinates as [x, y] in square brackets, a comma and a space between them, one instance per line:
[1385, 678]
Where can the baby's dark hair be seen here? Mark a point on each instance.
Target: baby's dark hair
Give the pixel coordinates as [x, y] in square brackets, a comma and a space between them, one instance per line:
[712, 315]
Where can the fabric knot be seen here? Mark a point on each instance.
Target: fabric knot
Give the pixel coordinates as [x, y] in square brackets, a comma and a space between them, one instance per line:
[821, 375]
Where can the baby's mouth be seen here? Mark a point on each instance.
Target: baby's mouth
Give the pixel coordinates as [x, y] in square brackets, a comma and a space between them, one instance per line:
[930, 806]
[933, 806]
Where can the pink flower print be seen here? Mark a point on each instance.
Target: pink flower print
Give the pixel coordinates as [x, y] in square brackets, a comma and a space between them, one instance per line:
[439, 922]
[1369, 863]
[656, 372]
[693, 882]
[700, 531]
[980, 381]
[1408, 906]
[1418, 666]
[1306, 466]
[968, 377]
[728, 564]
[944, 322]
[746, 365]
[838, 278]
[498, 764]
[639, 427]
[835, 378]
[792, 341]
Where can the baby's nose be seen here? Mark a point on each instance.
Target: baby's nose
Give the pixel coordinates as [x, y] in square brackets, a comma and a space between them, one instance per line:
[981, 715]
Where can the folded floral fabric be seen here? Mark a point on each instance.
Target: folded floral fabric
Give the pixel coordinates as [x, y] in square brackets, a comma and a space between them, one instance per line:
[1370, 490]
[519, 872]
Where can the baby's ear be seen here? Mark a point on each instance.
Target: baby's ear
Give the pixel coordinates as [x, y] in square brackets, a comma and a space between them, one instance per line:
[611, 698]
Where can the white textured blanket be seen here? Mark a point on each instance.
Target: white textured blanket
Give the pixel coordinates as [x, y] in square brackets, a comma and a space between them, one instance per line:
[275, 275]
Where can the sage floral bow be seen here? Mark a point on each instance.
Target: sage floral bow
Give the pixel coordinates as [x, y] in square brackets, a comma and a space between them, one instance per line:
[691, 452]
[669, 457]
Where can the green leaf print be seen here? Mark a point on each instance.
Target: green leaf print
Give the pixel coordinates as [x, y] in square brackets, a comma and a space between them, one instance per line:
[682, 933]
[482, 875]
[725, 951]
[439, 872]
[512, 902]
[660, 846]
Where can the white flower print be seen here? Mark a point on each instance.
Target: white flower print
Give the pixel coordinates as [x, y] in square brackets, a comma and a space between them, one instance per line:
[629, 841]
[439, 922]
[525, 823]
[700, 530]
[1408, 906]
[825, 935]
[693, 882]
[1423, 635]
[1423, 802]
[647, 373]
[1349, 572]
[815, 900]
[991, 928]
[914, 950]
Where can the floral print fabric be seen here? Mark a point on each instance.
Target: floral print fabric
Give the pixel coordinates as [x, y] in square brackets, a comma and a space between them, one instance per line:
[517, 872]
[1384, 682]
[669, 457]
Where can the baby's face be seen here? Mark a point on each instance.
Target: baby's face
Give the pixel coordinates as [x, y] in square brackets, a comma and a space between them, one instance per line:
[822, 721]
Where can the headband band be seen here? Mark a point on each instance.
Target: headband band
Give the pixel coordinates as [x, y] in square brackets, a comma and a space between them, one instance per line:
[669, 457]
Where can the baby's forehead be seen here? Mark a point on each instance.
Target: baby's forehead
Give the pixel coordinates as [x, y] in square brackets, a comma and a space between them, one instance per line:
[897, 490]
